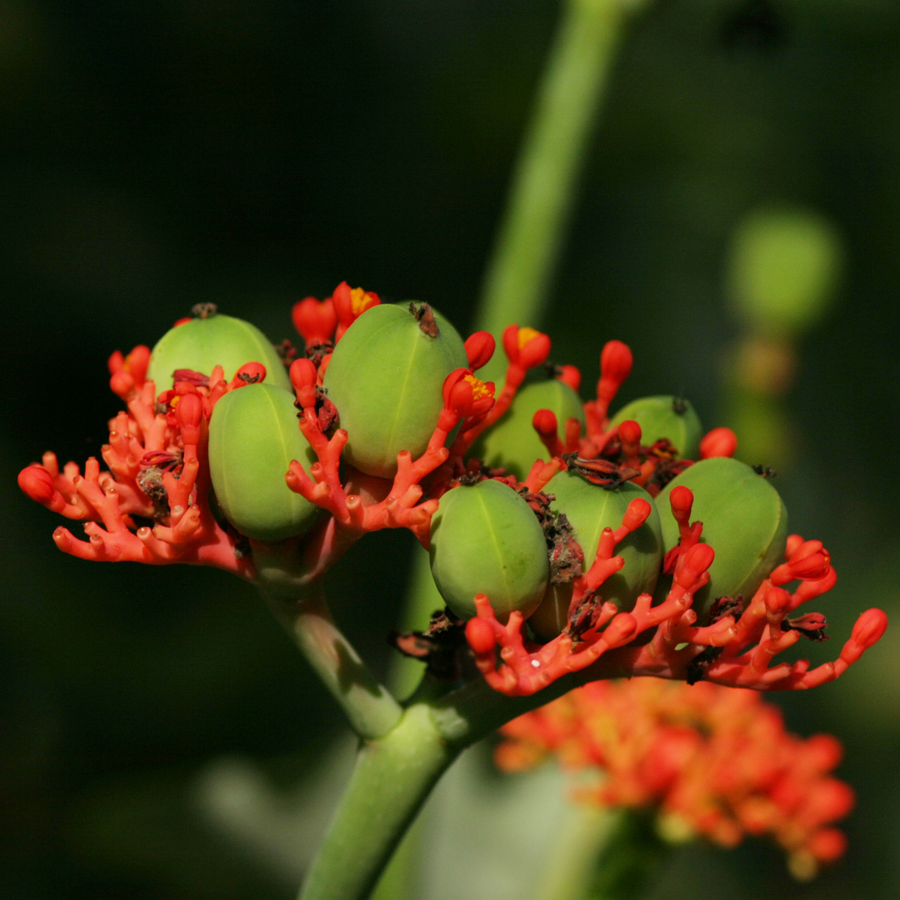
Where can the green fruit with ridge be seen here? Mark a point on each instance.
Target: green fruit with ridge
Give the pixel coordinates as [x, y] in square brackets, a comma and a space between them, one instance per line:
[590, 508]
[665, 416]
[253, 437]
[512, 443]
[485, 539]
[386, 378]
[204, 343]
[744, 521]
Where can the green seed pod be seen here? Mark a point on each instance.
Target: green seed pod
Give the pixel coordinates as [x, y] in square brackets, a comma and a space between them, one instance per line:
[665, 417]
[590, 508]
[513, 443]
[204, 343]
[485, 539]
[744, 521]
[385, 378]
[253, 436]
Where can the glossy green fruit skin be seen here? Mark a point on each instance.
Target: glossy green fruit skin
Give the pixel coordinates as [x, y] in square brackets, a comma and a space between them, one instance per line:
[203, 344]
[485, 539]
[591, 508]
[658, 419]
[744, 521]
[253, 437]
[385, 378]
[512, 443]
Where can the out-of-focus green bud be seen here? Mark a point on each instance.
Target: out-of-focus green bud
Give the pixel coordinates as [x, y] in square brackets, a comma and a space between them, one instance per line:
[744, 521]
[783, 270]
[385, 378]
[513, 443]
[485, 539]
[216, 340]
[253, 437]
[590, 508]
[665, 416]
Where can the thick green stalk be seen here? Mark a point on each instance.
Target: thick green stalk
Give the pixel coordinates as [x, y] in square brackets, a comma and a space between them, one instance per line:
[299, 604]
[603, 855]
[543, 188]
[392, 778]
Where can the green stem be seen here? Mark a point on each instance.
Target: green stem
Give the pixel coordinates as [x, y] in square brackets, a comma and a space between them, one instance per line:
[392, 778]
[603, 854]
[543, 188]
[299, 604]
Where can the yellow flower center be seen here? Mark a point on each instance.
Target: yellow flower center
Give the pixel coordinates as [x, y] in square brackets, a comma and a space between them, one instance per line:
[360, 300]
[526, 335]
[479, 388]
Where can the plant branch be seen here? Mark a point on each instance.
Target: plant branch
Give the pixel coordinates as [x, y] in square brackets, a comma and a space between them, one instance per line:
[298, 602]
[392, 778]
[542, 193]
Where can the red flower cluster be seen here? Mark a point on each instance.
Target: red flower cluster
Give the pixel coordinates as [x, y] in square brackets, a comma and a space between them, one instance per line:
[711, 761]
[153, 505]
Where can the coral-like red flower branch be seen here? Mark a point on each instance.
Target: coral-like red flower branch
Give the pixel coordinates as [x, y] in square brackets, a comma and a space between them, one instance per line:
[467, 399]
[730, 651]
[157, 471]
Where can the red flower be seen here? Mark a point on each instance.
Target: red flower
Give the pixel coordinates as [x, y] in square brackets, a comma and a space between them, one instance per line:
[711, 762]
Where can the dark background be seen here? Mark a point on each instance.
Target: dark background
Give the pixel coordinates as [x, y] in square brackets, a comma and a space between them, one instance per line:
[160, 154]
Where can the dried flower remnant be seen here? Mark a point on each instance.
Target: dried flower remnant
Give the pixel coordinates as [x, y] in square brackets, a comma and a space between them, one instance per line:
[711, 762]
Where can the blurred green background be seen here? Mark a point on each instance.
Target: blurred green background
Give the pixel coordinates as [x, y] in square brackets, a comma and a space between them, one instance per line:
[160, 154]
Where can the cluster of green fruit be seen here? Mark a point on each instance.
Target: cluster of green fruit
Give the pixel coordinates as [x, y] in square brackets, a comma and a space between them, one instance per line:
[385, 378]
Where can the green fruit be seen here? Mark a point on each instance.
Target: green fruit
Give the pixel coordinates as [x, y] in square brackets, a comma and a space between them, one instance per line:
[385, 378]
[784, 269]
[513, 443]
[665, 417]
[202, 344]
[744, 521]
[253, 437]
[485, 539]
[590, 508]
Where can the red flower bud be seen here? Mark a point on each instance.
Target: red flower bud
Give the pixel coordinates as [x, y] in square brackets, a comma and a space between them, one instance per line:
[571, 376]
[480, 636]
[696, 561]
[630, 432]
[189, 414]
[479, 349]
[249, 373]
[350, 304]
[615, 367]
[869, 628]
[681, 500]
[718, 442]
[315, 320]
[525, 346]
[545, 424]
[37, 483]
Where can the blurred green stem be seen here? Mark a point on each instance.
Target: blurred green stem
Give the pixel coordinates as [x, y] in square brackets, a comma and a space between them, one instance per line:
[543, 187]
[603, 854]
[299, 604]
